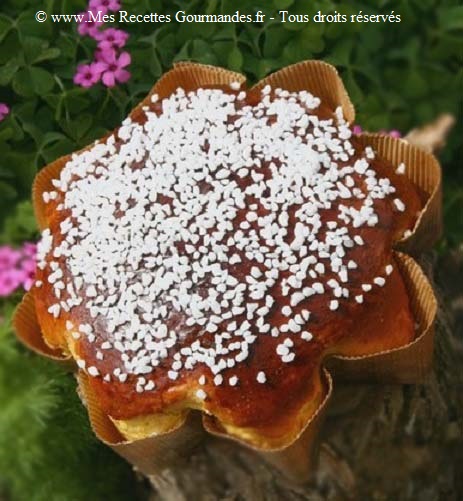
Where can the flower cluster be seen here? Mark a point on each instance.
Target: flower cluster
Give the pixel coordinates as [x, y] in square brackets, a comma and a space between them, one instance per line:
[4, 111]
[17, 267]
[109, 61]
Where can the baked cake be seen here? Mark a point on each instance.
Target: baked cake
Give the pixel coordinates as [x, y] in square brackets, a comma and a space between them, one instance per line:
[213, 250]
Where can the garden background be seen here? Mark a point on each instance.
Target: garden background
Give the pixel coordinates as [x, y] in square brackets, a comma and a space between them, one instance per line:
[399, 76]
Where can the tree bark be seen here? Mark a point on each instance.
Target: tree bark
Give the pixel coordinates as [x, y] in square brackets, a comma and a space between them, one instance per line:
[380, 442]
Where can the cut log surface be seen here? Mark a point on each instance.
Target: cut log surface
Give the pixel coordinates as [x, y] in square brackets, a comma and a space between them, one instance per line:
[379, 442]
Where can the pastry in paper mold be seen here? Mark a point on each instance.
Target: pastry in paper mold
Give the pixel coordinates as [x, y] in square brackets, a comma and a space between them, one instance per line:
[391, 341]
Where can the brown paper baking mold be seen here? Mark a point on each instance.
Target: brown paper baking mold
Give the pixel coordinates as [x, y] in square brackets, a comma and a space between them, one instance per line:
[403, 364]
[28, 331]
[151, 454]
[319, 78]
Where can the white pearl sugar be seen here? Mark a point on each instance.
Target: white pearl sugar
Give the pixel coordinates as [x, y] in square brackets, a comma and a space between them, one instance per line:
[133, 260]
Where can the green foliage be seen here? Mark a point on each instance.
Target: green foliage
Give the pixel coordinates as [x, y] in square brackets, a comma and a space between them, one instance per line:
[47, 451]
[19, 226]
[398, 75]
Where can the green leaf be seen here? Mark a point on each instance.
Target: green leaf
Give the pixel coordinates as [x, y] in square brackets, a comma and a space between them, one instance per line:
[32, 80]
[312, 38]
[341, 53]
[353, 89]
[451, 18]
[414, 85]
[56, 150]
[21, 225]
[275, 40]
[260, 67]
[202, 52]
[18, 131]
[235, 59]
[10, 46]
[28, 26]
[167, 48]
[155, 64]
[26, 109]
[67, 46]
[73, 101]
[282, 4]
[23, 166]
[211, 6]
[6, 133]
[299, 49]
[47, 55]
[49, 138]
[6, 24]
[78, 127]
[7, 71]
[7, 192]
[33, 129]
[33, 47]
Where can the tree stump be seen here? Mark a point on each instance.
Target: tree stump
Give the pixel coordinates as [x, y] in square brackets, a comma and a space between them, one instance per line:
[380, 442]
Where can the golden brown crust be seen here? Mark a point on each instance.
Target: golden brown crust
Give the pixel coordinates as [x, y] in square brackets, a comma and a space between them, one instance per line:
[294, 391]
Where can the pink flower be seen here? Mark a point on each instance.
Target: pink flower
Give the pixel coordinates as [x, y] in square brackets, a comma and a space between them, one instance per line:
[88, 75]
[28, 269]
[392, 133]
[98, 54]
[112, 38]
[395, 133]
[29, 249]
[114, 71]
[28, 266]
[17, 268]
[105, 5]
[10, 280]
[356, 129]
[28, 283]
[9, 257]
[4, 111]
[88, 26]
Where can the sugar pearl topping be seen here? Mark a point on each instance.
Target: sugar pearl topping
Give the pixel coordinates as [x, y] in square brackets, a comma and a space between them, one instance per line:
[158, 220]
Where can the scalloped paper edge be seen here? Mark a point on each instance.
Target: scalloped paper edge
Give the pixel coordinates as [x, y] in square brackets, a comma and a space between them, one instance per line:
[403, 364]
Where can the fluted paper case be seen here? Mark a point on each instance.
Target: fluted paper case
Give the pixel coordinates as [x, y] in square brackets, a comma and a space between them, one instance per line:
[406, 364]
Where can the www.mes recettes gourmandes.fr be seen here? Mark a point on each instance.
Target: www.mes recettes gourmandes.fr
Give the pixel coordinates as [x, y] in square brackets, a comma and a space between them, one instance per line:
[284, 16]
